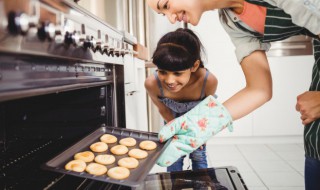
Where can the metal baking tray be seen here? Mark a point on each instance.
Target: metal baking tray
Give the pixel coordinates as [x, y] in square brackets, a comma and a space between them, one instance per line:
[137, 175]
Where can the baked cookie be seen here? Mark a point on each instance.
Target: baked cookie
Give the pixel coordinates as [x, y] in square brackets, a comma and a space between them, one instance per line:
[96, 169]
[129, 141]
[148, 145]
[118, 173]
[138, 153]
[86, 156]
[99, 147]
[76, 165]
[105, 159]
[107, 138]
[119, 150]
[128, 162]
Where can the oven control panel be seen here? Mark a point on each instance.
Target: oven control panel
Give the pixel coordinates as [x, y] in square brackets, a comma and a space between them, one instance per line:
[59, 28]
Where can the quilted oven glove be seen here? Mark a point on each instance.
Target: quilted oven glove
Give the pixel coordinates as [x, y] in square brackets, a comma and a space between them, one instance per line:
[193, 129]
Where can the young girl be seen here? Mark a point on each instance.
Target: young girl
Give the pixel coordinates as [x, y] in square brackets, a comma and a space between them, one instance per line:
[180, 83]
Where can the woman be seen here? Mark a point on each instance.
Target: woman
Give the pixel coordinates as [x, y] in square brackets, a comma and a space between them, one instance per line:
[251, 25]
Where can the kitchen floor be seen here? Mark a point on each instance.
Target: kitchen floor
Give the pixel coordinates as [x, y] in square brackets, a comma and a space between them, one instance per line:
[262, 166]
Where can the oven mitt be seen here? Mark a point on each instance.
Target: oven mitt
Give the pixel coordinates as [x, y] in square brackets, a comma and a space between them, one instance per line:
[193, 129]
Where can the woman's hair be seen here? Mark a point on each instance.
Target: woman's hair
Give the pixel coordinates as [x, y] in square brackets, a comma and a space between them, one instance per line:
[178, 50]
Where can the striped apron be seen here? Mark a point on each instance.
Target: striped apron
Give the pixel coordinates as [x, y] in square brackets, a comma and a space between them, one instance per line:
[279, 26]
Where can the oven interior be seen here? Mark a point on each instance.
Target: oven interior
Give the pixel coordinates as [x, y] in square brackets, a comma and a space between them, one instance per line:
[35, 129]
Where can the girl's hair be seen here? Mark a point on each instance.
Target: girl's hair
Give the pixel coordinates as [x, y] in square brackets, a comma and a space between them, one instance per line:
[178, 50]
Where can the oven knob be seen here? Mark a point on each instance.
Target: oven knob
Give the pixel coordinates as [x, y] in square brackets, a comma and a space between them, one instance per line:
[58, 37]
[69, 38]
[97, 43]
[46, 31]
[18, 23]
[123, 49]
[117, 48]
[86, 42]
[105, 45]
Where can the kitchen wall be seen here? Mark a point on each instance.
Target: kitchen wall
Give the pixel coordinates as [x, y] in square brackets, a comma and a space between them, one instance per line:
[291, 77]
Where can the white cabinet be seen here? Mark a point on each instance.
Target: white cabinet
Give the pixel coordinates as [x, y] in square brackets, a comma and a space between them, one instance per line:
[135, 95]
[291, 77]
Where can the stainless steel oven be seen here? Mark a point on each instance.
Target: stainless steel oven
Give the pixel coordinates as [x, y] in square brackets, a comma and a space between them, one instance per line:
[61, 77]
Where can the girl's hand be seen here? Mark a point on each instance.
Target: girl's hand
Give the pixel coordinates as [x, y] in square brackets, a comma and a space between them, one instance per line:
[193, 129]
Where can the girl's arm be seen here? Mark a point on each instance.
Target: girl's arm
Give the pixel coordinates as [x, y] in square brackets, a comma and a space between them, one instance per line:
[258, 89]
[153, 91]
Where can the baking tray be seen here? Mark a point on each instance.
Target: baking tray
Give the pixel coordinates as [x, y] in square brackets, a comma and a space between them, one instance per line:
[137, 175]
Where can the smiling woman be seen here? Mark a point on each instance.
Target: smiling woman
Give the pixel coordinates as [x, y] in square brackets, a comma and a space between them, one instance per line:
[189, 11]
[278, 20]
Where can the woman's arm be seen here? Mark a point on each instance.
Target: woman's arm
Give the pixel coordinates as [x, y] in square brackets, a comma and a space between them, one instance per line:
[258, 89]
[153, 91]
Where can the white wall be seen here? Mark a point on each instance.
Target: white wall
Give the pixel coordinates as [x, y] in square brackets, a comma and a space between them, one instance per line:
[291, 77]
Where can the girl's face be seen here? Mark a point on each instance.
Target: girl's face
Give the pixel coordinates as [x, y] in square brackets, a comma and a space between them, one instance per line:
[188, 11]
[174, 81]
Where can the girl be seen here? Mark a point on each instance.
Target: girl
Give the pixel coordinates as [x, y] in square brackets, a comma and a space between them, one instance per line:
[251, 25]
[180, 83]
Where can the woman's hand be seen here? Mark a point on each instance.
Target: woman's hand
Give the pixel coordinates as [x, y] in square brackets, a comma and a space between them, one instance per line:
[308, 104]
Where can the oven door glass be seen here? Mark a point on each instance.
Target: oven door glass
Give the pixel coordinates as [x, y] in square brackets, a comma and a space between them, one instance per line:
[226, 178]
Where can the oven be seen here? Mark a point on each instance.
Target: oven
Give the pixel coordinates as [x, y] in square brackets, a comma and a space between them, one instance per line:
[61, 78]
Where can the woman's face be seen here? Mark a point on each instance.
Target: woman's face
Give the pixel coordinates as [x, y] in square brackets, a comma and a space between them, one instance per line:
[188, 11]
[174, 81]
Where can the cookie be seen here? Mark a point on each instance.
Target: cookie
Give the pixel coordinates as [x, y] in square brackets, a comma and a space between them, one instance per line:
[105, 159]
[128, 162]
[119, 150]
[86, 156]
[76, 165]
[99, 147]
[96, 169]
[107, 138]
[128, 141]
[148, 145]
[119, 173]
[138, 153]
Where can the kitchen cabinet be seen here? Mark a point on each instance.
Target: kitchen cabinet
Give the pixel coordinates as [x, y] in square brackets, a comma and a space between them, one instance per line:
[291, 77]
[135, 95]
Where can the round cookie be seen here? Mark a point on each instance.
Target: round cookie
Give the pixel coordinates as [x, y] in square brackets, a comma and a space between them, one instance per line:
[99, 147]
[76, 165]
[105, 159]
[119, 150]
[107, 138]
[86, 156]
[138, 153]
[128, 141]
[148, 145]
[128, 162]
[96, 169]
[119, 173]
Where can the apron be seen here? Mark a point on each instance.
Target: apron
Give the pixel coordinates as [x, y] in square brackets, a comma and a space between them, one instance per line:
[279, 26]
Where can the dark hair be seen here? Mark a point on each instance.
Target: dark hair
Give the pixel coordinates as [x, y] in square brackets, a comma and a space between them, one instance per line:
[178, 50]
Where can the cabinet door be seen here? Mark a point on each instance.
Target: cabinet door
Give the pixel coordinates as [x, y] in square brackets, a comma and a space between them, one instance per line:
[136, 100]
[129, 73]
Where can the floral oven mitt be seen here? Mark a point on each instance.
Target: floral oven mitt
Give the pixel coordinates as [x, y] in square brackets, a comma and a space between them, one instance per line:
[193, 129]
